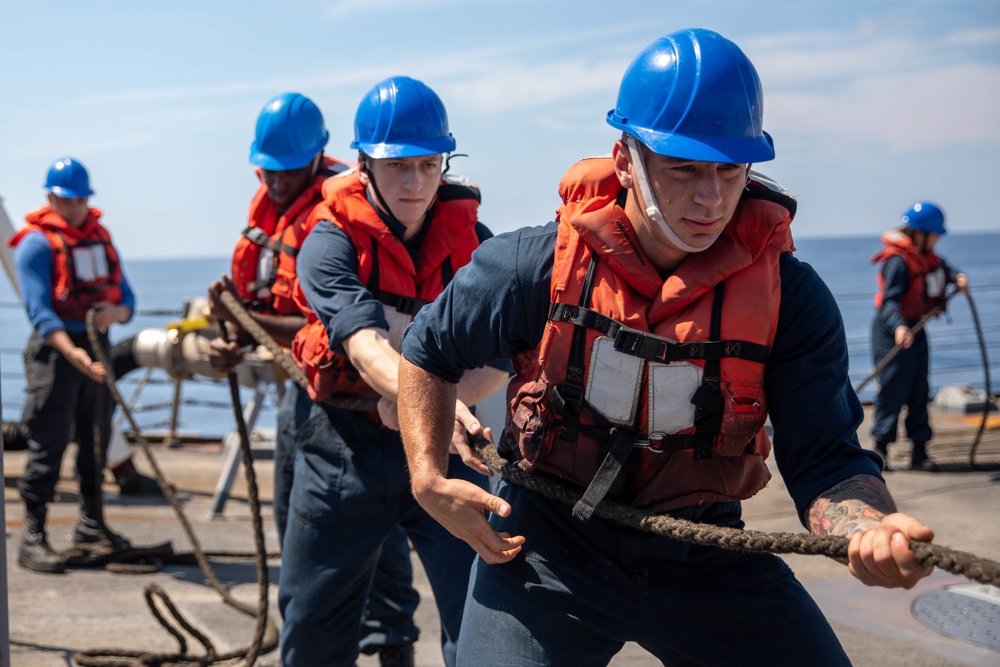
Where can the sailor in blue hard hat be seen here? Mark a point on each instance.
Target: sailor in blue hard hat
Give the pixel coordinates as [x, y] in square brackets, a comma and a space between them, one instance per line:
[388, 237]
[654, 327]
[911, 285]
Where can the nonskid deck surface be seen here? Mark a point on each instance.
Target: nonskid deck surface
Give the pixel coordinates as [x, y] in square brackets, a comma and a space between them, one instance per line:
[54, 616]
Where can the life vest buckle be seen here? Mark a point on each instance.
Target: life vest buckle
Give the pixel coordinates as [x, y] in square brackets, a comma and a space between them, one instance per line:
[628, 341]
[653, 443]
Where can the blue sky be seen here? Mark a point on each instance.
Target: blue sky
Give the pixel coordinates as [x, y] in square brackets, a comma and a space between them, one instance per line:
[872, 104]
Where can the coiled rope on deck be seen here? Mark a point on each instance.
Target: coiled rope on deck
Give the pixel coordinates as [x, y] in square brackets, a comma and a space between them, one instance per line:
[265, 636]
[956, 562]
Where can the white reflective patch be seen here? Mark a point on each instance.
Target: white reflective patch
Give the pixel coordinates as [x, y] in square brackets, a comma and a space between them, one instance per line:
[90, 262]
[671, 387]
[614, 382]
[397, 322]
[265, 261]
[935, 282]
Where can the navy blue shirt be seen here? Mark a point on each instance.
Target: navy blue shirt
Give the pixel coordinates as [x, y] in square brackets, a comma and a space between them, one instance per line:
[497, 307]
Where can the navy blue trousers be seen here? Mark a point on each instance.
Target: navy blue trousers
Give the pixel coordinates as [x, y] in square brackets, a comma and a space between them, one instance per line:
[388, 617]
[903, 382]
[351, 489]
[62, 404]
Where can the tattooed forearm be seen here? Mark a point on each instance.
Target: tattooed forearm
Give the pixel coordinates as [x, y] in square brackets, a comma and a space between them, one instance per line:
[857, 503]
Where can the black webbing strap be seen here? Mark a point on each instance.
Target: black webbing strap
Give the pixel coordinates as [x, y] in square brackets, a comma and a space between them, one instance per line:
[567, 398]
[407, 305]
[708, 401]
[651, 347]
[258, 236]
[621, 447]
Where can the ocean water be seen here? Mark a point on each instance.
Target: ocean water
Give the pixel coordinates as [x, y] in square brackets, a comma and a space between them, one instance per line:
[163, 286]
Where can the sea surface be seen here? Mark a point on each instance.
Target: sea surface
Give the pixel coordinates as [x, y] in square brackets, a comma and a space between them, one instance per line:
[163, 286]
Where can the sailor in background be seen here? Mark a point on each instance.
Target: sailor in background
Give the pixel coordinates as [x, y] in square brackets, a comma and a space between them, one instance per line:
[287, 151]
[911, 284]
[67, 265]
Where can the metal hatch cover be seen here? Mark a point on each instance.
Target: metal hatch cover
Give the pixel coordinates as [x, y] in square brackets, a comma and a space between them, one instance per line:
[967, 612]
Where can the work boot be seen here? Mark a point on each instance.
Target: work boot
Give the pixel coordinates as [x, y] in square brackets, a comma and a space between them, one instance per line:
[396, 656]
[91, 529]
[883, 450]
[36, 553]
[919, 460]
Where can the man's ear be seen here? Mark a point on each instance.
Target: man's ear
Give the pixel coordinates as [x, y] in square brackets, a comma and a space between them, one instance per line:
[623, 163]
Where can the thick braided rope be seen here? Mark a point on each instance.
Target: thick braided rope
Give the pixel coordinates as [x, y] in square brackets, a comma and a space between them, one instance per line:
[283, 359]
[265, 633]
[957, 562]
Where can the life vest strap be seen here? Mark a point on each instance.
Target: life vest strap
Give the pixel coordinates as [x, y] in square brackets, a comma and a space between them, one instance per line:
[258, 236]
[403, 304]
[621, 446]
[651, 347]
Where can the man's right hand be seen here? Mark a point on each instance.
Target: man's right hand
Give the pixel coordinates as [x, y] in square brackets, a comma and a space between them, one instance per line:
[224, 356]
[904, 336]
[458, 505]
[215, 305]
[83, 363]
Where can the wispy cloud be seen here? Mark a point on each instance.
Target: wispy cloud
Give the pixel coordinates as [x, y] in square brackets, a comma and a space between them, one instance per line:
[346, 8]
[905, 92]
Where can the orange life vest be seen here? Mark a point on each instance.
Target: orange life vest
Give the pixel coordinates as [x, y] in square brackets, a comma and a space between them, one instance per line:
[279, 233]
[386, 267]
[86, 268]
[676, 364]
[926, 271]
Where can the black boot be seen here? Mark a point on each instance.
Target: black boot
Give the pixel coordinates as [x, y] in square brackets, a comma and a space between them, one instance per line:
[396, 656]
[36, 553]
[91, 529]
[883, 449]
[919, 460]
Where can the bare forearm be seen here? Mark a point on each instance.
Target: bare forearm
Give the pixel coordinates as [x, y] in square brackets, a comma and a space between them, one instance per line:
[479, 383]
[61, 341]
[858, 503]
[426, 419]
[378, 363]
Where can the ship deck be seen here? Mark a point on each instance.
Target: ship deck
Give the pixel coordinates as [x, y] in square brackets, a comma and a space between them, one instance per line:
[54, 616]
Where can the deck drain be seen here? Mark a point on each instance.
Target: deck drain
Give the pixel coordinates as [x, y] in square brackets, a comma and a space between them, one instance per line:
[969, 612]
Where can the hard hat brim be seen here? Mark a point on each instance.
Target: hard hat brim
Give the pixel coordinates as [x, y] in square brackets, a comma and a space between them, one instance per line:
[736, 150]
[68, 193]
[284, 162]
[381, 151]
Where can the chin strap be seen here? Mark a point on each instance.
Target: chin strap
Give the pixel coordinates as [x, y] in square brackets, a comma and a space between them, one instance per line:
[652, 208]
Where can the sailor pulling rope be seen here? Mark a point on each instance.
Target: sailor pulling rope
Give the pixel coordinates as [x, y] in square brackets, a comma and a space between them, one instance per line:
[956, 562]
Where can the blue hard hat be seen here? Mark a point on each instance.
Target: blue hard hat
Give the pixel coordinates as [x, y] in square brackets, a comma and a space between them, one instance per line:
[925, 216]
[68, 178]
[289, 134]
[693, 94]
[401, 117]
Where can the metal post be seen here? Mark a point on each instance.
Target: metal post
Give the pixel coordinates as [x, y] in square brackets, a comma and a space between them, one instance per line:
[4, 615]
[6, 230]
[172, 440]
